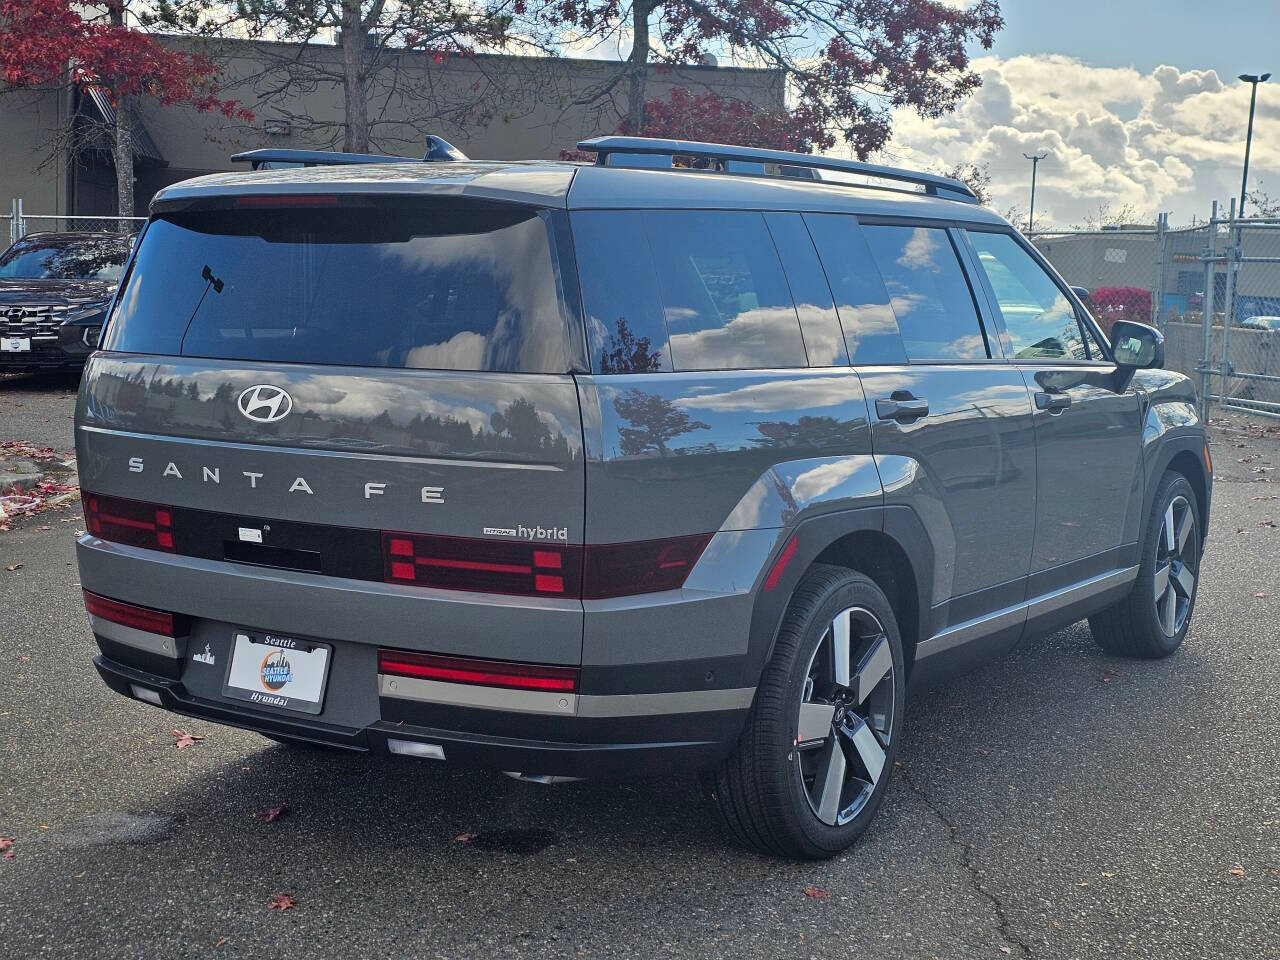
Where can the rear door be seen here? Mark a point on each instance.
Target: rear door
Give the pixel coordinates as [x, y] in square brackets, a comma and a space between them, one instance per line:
[951, 421]
[1088, 422]
[300, 382]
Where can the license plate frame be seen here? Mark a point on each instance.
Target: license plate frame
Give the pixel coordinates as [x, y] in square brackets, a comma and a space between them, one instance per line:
[15, 344]
[247, 675]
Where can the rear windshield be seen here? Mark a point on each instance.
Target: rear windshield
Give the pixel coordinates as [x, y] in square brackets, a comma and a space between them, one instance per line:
[67, 258]
[383, 284]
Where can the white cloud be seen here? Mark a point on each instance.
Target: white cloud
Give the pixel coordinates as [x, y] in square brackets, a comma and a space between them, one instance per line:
[1169, 140]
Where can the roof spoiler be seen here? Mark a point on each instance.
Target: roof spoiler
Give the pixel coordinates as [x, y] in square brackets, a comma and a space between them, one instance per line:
[438, 149]
[659, 152]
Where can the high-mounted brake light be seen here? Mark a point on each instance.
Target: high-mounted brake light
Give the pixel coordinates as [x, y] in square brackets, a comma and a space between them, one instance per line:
[131, 615]
[287, 200]
[486, 673]
[128, 521]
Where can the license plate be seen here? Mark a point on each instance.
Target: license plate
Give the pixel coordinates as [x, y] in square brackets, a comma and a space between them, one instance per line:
[15, 344]
[280, 672]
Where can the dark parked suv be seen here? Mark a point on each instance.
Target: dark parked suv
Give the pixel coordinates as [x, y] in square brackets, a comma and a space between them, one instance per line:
[571, 470]
[54, 293]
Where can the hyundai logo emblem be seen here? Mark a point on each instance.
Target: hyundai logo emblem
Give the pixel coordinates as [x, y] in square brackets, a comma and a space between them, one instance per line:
[265, 403]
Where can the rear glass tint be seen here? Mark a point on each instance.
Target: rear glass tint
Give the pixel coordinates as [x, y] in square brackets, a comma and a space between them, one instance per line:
[727, 302]
[382, 284]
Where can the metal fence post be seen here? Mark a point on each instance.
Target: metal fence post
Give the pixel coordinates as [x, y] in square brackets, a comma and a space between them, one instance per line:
[1206, 306]
[1157, 289]
[1232, 254]
[18, 226]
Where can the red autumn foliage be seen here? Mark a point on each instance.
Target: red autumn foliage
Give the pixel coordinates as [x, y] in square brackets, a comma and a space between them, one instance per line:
[40, 38]
[1109, 304]
[848, 63]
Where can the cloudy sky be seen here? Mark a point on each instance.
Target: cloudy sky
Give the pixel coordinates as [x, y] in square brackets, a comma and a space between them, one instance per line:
[1136, 102]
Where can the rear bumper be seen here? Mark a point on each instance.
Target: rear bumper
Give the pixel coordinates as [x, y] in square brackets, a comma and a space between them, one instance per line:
[651, 746]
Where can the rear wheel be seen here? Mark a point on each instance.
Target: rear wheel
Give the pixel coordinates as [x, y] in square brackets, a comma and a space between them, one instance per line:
[1153, 619]
[811, 767]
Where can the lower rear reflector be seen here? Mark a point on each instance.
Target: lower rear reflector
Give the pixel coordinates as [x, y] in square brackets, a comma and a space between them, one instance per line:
[483, 673]
[142, 693]
[411, 748]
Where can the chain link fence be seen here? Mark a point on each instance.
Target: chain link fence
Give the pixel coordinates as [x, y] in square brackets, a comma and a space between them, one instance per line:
[20, 223]
[1212, 289]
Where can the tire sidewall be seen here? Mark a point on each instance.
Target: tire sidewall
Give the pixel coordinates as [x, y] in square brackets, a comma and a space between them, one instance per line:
[1172, 486]
[854, 591]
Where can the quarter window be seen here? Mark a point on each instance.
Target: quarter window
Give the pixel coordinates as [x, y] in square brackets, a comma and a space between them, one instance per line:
[1040, 320]
[928, 292]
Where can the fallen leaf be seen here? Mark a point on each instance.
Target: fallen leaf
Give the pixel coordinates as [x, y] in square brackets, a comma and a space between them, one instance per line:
[1236, 871]
[182, 739]
[281, 901]
[13, 566]
[6, 847]
[817, 893]
[222, 942]
[464, 838]
[275, 813]
[1006, 950]
[1261, 595]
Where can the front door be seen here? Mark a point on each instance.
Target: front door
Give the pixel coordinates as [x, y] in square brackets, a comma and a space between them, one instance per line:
[1088, 421]
[953, 438]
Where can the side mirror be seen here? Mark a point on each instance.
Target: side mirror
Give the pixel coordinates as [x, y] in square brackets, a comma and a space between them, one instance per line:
[1137, 345]
[1081, 292]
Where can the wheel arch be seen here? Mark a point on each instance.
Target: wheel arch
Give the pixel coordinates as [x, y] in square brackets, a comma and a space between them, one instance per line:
[887, 544]
[1185, 455]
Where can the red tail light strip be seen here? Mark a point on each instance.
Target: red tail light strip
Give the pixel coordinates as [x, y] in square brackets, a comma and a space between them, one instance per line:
[130, 615]
[486, 673]
[128, 521]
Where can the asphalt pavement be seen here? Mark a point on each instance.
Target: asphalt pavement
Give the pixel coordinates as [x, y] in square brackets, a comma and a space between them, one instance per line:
[1057, 803]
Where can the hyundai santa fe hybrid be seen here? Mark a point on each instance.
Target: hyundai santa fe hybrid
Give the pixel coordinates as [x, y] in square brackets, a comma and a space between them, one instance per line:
[687, 459]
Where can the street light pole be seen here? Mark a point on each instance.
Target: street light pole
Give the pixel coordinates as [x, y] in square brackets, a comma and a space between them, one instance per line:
[1031, 215]
[1254, 79]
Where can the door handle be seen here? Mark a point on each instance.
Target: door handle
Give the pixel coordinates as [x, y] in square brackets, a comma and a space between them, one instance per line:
[1053, 402]
[902, 407]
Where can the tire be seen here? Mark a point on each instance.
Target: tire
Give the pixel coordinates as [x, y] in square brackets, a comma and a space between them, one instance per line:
[769, 792]
[1151, 622]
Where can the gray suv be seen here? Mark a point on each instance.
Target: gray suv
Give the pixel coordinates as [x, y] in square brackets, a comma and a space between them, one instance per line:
[690, 459]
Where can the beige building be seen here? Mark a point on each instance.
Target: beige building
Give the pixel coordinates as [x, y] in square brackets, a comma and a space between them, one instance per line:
[490, 107]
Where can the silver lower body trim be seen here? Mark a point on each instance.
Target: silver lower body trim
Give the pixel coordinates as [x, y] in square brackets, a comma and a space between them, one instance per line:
[1020, 613]
[563, 704]
[156, 643]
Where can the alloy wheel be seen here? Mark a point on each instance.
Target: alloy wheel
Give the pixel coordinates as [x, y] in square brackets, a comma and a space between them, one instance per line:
[846, 716]
[1177, 555]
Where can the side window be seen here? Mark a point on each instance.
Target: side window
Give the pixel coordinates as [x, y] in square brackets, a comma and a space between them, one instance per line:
[626, 332]
[1041, 322]
[726, 300]
[870, 330]
[928, 292]
[823, 340]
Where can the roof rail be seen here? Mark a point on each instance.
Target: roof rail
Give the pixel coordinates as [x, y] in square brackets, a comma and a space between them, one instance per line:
[438, 149]
[750, 160]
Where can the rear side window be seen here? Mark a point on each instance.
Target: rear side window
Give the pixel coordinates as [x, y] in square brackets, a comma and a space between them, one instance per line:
[823, 340]
[928, 292]
[726, 300]
[870, 329]
[1039, 318]
[380, 284]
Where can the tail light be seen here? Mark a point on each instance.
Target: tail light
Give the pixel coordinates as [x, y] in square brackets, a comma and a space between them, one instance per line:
[128, 521]
[487, 673]
[540, 570]
[644, 566]
[488, 566]
[131, 615]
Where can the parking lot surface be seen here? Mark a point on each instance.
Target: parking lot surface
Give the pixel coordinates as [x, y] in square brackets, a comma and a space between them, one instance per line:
[1055, 803]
